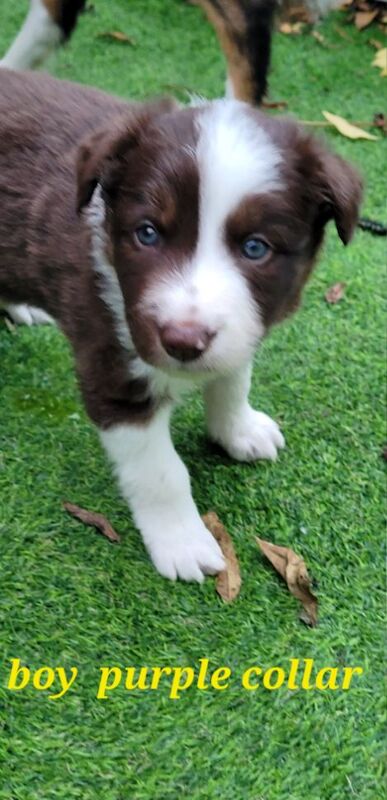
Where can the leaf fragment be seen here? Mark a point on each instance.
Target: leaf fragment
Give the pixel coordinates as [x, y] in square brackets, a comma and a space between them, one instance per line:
[292, 569]
[274, 104]
[117, 36]
[228, 582]
[335, 293]
[94, 519]
[347, 129]
[291, 28]
[380, 61]
[364, 18]
[375, 44]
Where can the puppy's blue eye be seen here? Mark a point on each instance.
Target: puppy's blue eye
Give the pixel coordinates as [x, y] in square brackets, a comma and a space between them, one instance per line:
[255, 249]
[147, 235]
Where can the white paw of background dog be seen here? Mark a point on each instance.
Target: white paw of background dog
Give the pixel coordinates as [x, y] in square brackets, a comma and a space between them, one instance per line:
[188, 552]
[27, 315]
[253, 436]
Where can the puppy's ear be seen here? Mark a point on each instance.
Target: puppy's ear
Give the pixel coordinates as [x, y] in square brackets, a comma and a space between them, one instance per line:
[101, 153]
[337, 188]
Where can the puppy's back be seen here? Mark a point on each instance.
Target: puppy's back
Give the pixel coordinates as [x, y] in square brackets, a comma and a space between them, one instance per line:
[42, 121]
[45, 117]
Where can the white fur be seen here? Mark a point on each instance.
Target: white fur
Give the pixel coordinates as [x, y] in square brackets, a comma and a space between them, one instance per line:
[110, 289]
[244, 433]
[236, 157]
[155, 483]
[37, 38]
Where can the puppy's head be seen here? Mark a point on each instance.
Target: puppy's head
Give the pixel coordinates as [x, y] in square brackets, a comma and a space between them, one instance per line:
[213, 218]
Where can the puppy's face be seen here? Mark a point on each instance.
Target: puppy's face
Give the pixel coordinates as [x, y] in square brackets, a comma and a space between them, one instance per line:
[214, 216]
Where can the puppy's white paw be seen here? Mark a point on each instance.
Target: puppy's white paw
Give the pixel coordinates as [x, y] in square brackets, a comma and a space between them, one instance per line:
[188, 552]
[27, 315]
[253, 436]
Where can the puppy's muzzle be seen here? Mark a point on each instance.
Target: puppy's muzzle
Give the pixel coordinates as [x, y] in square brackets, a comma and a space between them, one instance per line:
[185, 341]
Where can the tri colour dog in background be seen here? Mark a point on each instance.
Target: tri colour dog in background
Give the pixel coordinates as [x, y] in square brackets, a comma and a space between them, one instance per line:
[165, 242]
[243, 27]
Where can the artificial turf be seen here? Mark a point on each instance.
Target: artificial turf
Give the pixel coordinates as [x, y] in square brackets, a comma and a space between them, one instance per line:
[69, 597]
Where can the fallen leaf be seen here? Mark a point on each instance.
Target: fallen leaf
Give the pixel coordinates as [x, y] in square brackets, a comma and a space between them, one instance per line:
[380, 61]
[228, 582]
[292, 569]
[347, 129]
[10, 325]
[291, 29]
[94, 519]
[375, 44]
[341, 32]
[318, 36]
[274, 104]
[335, 293]
[322, 40]
[117, 36]
[364, 18]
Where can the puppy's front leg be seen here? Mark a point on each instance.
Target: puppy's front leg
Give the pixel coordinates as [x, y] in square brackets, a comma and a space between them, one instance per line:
[244, 433]
[155, 483]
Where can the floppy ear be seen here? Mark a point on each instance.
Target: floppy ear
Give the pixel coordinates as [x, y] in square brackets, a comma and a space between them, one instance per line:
[101, 153]
[337, 187]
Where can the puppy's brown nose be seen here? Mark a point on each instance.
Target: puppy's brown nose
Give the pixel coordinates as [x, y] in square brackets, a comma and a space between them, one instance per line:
[185, 341]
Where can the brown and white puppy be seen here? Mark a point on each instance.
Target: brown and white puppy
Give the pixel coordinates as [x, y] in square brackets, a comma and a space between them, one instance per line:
[165, 246]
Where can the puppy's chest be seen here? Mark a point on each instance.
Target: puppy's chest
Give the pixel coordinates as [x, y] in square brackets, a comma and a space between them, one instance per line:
[164, 386]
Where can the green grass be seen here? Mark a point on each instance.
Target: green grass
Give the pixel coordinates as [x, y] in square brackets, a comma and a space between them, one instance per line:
[68, 597]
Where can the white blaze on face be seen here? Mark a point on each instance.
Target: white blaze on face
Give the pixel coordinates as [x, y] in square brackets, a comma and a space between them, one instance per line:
[235, 158]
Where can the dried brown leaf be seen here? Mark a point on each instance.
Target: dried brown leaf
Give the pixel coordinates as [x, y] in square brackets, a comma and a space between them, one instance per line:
[319, 37]
[116, 36]
[228, 582]
[375, 44]
[291, 29]
[94, 519]
[335, 293]
[347, 129]
[364, 18]
[274, 104]
[292, 569]
[341, 32]
[10, 325]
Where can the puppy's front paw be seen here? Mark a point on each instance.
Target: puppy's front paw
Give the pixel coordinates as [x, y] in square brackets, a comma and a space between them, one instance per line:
[253, 436]
[27, 315]
[187, 551]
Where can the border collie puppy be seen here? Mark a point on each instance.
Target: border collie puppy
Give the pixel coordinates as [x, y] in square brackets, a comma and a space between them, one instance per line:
[165, 242]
